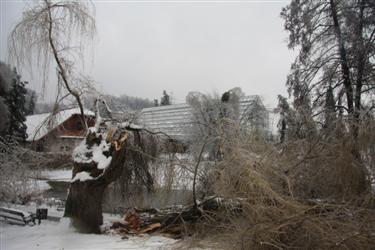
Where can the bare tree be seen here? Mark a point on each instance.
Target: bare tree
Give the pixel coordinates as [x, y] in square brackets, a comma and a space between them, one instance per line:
[46, 35]
[336, 54]
[335, 69]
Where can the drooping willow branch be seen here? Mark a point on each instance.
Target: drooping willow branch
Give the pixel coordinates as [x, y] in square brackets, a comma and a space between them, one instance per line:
[45, 34]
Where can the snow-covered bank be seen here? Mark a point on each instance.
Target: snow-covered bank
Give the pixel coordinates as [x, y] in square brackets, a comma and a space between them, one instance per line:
[58, 175]
[59, 235]
[38, 182]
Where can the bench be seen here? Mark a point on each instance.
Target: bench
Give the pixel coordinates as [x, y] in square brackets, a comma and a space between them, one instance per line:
[17, 216]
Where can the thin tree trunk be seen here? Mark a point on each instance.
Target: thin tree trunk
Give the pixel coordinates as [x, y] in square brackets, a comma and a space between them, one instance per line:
[362, 185]
[360, 70]
[343, 59]
[282, 130]
[196, 173]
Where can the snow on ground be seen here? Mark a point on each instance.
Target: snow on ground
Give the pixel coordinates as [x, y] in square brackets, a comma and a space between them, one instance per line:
[50, 235]
[31, 208]
[33, 186]
[38, 184]
[52, 210]
[60, 235]
[58, 175]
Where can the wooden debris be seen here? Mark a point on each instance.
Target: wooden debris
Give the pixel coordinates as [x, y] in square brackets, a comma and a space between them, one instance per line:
[119, 224]
[133, 221]
[175, 221]
[150, 228]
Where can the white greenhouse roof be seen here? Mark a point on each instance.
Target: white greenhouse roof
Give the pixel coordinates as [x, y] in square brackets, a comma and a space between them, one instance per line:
[176, 120]
[39, 125]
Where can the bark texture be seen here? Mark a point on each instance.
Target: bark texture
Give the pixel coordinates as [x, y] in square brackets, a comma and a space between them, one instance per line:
[85, 210]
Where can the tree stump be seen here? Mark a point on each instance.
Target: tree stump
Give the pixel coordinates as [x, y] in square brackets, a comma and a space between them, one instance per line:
[84, 202]
[84, 206]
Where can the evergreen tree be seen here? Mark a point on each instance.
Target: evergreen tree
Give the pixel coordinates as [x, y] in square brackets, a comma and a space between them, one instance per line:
[30, 101]
[286, 122]
[4, 89]
[257, 116]
[4, 120]
[15, 101]
[156, 102]
[165, 100]
[330, 114]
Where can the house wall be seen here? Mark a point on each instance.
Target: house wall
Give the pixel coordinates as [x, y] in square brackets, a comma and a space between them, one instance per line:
[63, 145]
[52, 143]
[64, 138]
[73, 126]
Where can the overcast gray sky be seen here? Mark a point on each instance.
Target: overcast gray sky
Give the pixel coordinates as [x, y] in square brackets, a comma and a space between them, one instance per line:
[144, 47]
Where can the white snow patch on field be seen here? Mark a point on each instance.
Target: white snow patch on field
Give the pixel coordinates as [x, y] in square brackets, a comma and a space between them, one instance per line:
[57, 175]
[28, 186]
[59, 235]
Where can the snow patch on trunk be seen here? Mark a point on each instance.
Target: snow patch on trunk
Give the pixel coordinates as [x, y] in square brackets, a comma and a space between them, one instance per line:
[83, 154]
[82, 176]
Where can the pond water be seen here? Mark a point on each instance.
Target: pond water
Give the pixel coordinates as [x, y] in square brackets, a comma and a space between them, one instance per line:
[56, 183]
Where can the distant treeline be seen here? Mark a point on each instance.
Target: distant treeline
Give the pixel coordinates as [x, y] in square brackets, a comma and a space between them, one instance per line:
[116, 103]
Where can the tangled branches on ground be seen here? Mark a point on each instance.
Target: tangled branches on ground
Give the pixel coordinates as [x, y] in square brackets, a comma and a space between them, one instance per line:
[297, 195]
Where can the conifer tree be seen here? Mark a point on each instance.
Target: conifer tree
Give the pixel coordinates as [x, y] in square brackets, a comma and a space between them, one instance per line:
[15, 101]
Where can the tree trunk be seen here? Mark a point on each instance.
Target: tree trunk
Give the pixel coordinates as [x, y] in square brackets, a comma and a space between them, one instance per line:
[353, 111]
[84, 202]
[343, 59]
[84, 206]
[360, 70]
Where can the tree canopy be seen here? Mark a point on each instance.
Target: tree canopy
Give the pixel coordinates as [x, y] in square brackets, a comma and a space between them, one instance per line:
[336, 47]
[12, 103]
